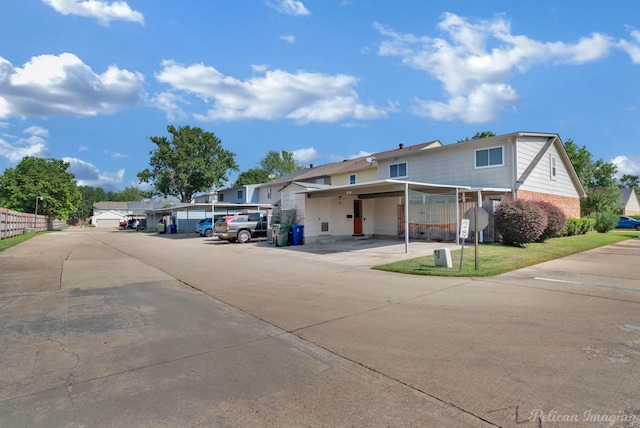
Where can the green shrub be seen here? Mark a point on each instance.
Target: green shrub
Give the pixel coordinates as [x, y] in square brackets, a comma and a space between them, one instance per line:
[556, 220]
[605, 221]
[577, 226]
[520, 222]
[586, 225]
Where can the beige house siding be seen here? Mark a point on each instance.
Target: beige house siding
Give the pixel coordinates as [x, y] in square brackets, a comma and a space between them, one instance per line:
[540, 179]
[292, 199]
[362, 176]
[631, 206]
[454, 164]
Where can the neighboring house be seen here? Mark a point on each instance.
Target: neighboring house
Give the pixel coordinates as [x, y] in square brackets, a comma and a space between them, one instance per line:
[438, 183]
[107, 218]
[206, 198]
[110, 213]
[629, 200]
[244, 194]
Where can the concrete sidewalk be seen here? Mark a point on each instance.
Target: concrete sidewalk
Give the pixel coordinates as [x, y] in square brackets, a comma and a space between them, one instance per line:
[135, 329]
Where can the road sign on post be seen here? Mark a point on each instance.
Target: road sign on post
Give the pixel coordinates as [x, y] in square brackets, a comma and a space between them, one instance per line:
[464, 234]
[483, 218]
[480, 220]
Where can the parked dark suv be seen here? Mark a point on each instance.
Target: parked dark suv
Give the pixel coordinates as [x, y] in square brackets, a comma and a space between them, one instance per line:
[241, 228]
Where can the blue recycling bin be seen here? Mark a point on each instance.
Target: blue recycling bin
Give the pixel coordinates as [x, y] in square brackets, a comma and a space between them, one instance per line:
[297, 233]
[173, 228]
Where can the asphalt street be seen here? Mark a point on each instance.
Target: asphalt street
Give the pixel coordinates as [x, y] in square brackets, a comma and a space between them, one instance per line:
[115, 328]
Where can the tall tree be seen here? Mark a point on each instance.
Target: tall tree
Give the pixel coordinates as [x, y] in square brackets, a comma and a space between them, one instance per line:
[632, 181]
[191, 161]
[598, 179]
[46, 180]
[131, 194]
[479, 135]
[279, 163]
[89, 196]
[252, 176]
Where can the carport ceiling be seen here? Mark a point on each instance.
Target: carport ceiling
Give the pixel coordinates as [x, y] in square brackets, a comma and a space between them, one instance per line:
[384, 189]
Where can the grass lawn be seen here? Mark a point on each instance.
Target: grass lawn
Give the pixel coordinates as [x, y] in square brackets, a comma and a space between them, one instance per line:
[494, 259]
[11, 242]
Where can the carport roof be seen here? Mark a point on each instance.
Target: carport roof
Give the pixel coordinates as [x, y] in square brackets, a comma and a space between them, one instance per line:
[218, 205]
[386, 188]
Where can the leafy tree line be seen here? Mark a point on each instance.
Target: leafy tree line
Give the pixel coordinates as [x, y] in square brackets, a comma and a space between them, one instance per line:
[47, 182]
[192, 160]
[187, 162]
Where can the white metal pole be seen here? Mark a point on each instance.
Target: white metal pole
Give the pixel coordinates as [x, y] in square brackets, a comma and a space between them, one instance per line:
[406, 218]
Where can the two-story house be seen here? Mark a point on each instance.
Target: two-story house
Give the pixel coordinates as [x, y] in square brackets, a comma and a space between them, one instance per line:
[437, 183]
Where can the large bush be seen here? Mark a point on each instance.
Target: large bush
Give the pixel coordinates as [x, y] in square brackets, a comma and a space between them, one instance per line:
[556, 220]
[606, 220]
[520, 222]
[578, 226]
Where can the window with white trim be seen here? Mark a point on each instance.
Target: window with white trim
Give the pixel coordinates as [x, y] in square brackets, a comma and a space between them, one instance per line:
[554, 167]
[490, 157]
[398, 170]
[352, 179]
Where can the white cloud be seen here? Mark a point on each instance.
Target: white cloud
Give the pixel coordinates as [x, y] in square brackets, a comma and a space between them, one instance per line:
[305, 156]
[289, 39]
[170, 104]
[37, 130]
[473, 62]
[53, 85]
[33, 144]
[88, 174]
[627, 165]
[632, 47]
[272, 95]
[288, 7]
[103, 11]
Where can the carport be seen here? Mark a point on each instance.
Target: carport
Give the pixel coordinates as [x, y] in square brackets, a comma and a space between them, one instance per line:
[417, 196]
[186, 216]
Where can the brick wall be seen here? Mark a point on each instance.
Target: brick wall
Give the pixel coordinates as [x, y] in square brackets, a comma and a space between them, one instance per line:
[570, 206]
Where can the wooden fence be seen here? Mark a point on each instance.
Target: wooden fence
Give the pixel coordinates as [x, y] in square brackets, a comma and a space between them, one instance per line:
[14, 223]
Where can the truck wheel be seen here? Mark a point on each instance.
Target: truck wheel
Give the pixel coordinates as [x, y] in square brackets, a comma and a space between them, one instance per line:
[638, 227]
[208, 233]
[244, 236]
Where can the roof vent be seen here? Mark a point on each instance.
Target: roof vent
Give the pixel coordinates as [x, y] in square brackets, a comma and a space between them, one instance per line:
[310, 165]
[401, 146]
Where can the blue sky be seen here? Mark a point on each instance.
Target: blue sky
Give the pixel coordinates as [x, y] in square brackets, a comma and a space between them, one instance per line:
[90, 81]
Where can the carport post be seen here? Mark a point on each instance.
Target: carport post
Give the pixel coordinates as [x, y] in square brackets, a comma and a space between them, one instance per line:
[406, 218]
[457, 218]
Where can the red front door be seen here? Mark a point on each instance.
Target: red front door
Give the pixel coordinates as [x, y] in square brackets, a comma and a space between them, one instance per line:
[357, 217]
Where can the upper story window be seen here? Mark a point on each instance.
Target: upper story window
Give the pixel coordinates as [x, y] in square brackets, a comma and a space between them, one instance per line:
[489, 157]
[239, 194]
[220, 197]
[269, 193]
[554, 167]
[398, 170]
[352, 179]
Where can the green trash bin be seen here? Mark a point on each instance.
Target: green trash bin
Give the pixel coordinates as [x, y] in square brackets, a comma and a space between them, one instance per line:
[281, 234]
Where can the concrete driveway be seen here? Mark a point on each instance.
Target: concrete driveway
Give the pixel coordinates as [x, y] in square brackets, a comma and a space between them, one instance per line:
[132, 329]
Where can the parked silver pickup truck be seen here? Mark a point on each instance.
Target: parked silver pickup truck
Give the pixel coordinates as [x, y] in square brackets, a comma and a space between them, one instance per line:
[241, 228]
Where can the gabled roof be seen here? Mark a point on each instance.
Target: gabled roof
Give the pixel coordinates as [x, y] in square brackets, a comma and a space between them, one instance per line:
[403, 150]
[326, 170]
[110, 205]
